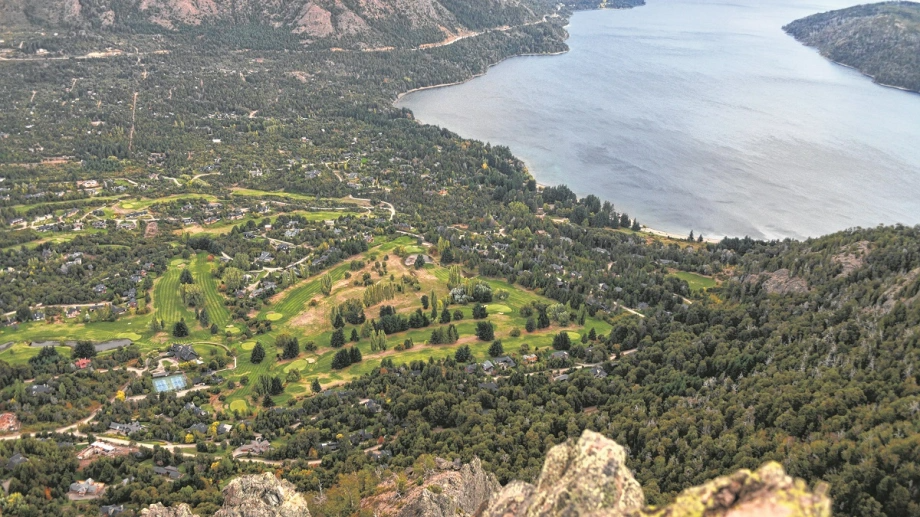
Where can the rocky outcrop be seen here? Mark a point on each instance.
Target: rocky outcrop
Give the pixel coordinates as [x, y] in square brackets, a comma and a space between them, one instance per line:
[257, 495]
[589, 477]
[262, 495]
[452, 492]
[766, 492]
[158, 510]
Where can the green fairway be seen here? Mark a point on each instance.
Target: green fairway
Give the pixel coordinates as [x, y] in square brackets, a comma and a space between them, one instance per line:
[495, 308]
[213, 300]
[166, 296]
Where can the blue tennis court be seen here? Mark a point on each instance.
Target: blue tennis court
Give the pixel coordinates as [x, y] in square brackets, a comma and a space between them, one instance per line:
[171, 383]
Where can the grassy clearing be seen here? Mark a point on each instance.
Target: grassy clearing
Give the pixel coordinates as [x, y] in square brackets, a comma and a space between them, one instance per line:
[695, 281]
[143, 204]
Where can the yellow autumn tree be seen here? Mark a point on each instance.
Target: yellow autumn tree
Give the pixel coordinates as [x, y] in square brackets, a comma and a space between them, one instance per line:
[120, 395]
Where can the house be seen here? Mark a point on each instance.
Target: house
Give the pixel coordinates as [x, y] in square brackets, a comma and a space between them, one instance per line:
[9, 422]
[82, 363]
[329, 446]
[39, 389]
[488, 367]
[529, 358]
[126, 429]
[38, 316]
[182, 352]
[471, 368]
[223, 429]
[264, 257]
[561, 378]
[198, 428]
[505, 362]
[169, 471]
[111, 510]
[127, 225]
[99, 289]
[99, 225]
[87, 487]
[197, 411]
[560, 355]
[598, 372]
[256, 447]
[379, 455]
[491, 386]
[360, 436]
[16, 460]
[371, 406]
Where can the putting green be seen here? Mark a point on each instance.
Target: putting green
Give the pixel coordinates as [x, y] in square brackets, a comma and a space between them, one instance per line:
[574, 336]
[299, 364]
[249, 345]
[273, 316]
[127, 205]
[239, 405]
[129, 335]
[496, 308]
[296, 388]
[233, 330]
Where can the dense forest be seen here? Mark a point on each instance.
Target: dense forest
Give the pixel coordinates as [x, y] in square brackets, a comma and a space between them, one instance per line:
[880, 40]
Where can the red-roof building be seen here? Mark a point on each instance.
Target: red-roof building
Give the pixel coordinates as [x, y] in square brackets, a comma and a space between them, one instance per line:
[82, 363]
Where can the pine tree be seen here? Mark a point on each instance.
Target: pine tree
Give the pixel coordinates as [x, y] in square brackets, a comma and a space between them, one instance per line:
[463, 354]
[530, 325]
[186, 277]
[561, 341]
[425, 302]
[485, 331]
[496, 349]
[445, 316]
[214, 329]
[180, 329]
[592, 335]
[204, 319]
[277, 387]
[338, 339]
[155, 326]
[341, 359]
[355, 355]
[452, 335]
[354, 335]
[315, 386]
[326, 284]
[339, 322]
[258, 354]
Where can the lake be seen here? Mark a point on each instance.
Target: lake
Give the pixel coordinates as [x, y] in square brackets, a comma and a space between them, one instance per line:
[701, 115]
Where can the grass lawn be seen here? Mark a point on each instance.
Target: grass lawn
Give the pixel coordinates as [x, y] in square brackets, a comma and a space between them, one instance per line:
[695, 281]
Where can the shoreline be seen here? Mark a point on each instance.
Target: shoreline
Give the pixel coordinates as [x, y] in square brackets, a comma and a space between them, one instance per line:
[399, 96]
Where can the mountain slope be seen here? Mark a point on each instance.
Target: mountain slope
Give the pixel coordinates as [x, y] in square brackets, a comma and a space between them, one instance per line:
[362, 22]
[880, 40]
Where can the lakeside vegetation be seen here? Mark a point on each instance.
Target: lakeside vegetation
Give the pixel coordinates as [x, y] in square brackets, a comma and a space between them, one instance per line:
[881, 40]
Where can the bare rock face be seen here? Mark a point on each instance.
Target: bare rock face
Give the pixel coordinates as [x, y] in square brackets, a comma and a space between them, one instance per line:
[158, 510]
[589, 478]
[581, 477]
[456, 492]
[262, 495]
[768, 492]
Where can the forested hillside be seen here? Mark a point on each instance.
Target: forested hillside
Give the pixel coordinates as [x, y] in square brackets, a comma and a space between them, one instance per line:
[880, 40]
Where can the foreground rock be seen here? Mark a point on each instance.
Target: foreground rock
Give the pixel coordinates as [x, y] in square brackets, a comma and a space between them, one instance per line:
[461, 490]
[158, 510]
[258, 495]
[577, 478]
[590, 477]
[262, 495]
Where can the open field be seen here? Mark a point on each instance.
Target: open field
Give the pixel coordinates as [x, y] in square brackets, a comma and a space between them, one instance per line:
[695, 281]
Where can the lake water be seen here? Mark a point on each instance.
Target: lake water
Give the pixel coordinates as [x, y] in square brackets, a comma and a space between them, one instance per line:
[701, 115]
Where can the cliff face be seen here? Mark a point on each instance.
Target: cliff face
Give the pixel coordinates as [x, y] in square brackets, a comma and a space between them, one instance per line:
[880, 40]
[458, 490]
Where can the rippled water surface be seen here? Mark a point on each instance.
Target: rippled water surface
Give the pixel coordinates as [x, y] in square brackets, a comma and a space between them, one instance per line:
[702, 115]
